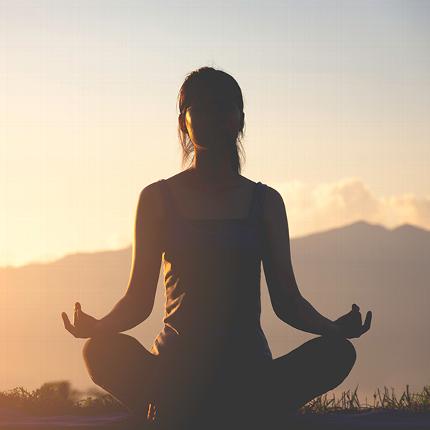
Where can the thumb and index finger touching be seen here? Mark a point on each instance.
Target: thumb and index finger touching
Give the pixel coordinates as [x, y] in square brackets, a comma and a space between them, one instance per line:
[67, 324]
[367, 320]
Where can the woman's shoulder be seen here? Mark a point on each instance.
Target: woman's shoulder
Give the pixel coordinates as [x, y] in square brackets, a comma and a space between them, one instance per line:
[152, 199]
[272, 202]
[151, 190]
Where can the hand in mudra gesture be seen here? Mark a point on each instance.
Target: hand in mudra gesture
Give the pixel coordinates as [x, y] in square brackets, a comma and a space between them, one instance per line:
[351, 325]
[83, 326]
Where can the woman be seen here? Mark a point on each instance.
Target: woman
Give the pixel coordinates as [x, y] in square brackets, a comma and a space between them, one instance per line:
[212, 227]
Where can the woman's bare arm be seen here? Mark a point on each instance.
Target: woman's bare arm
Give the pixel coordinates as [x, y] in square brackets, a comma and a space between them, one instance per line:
[287, 301]
[137, 303]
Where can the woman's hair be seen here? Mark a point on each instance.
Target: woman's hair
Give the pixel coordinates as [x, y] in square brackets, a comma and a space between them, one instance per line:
[225, 86]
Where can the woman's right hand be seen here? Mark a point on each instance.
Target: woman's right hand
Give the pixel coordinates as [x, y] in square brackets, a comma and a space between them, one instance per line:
[84, 325]
[350, 324]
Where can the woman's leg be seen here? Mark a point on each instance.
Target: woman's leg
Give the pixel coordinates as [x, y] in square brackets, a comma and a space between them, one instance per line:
[227, 398]
[306, 372]
[182, 391]
[122, 366]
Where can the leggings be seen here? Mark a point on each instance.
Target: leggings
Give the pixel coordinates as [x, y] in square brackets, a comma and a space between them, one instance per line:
[122, 366]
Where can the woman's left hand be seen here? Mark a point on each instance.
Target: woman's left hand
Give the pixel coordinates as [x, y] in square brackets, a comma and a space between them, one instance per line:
[350, 324]
[83, 326]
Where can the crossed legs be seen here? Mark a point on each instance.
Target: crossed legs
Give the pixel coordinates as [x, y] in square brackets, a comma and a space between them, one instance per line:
[128, 371]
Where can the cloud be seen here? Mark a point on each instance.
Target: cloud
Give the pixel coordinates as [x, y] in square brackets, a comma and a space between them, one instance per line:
[329, 205]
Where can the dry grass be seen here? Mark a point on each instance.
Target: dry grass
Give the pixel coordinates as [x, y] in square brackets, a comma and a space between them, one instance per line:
[348, 401]
[55, 398]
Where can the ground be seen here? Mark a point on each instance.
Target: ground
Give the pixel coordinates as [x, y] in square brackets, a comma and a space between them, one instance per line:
[374, 419]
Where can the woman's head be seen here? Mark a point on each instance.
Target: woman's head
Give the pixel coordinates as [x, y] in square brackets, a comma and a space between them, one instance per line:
[211, 114]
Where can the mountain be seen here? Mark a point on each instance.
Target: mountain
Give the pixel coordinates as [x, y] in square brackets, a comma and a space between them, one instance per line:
[383, 270]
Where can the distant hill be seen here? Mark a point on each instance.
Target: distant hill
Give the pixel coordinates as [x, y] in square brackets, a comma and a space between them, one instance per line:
[386, 271]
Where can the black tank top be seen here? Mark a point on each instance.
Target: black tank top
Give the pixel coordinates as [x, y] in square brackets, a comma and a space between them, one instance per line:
[212, 270]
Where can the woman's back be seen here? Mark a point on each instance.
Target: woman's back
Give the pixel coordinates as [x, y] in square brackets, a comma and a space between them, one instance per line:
[212, 270]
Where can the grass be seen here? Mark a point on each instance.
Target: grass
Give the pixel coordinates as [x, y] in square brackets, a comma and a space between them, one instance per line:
[349, 402]
[58, 398]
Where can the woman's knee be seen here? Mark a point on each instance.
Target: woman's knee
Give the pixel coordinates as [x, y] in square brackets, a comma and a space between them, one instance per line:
[346, 350]
[343, 356]
[101, 350]
[340, 347]
[96, 347]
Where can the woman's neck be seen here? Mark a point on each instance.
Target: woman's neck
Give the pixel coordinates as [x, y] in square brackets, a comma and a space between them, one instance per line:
[213, 167]
[211, 176]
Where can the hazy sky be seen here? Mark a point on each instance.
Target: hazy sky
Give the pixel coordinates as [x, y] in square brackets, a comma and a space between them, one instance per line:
[337, 101]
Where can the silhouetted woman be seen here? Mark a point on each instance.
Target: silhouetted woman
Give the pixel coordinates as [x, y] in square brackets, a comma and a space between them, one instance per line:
[212, 228]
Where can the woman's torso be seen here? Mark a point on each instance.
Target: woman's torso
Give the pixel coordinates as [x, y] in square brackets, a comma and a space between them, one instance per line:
[212, 275]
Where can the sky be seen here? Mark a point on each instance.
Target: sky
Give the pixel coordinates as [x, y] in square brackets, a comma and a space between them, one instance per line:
[336, 101]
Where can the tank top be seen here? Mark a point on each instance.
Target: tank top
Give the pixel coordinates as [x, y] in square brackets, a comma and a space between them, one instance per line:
[212, 270]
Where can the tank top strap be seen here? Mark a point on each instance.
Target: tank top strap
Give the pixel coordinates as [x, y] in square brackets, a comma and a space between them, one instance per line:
[167, 198]
[256, 201]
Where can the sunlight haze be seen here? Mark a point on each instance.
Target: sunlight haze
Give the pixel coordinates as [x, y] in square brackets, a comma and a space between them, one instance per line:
[336, 110]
